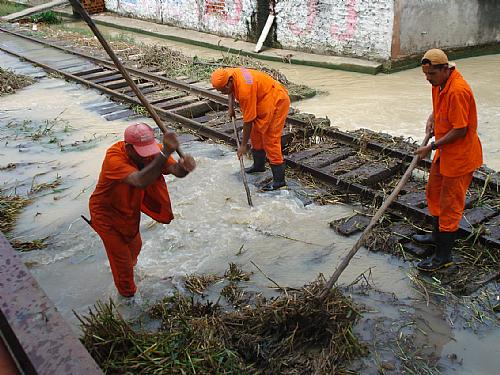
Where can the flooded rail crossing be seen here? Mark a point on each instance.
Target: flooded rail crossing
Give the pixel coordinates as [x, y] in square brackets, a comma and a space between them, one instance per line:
[336, 158]
[362, 164]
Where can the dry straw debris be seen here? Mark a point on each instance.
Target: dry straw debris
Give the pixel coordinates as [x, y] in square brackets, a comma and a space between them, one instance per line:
[10, 82]
[294, 333]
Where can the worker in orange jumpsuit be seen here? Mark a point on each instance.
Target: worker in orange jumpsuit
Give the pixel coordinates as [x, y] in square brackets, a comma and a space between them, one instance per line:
[264, 103]
[131, 181]
[453, 122]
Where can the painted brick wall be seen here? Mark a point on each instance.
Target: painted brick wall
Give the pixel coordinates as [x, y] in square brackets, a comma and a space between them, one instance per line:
[360, 28]
[93, 6]
[222, 17]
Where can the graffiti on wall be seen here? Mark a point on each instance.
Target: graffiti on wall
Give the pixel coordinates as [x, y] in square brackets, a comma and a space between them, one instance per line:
[312, 13]
[341, 33]
[176, 10]
[229, 11]
[351, 23]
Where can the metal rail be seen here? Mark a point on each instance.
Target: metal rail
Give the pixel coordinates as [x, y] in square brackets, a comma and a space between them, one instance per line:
[38, 338]
[483, 176]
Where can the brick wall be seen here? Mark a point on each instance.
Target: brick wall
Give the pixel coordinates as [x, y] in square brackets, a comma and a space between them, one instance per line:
[93, 6]
[215, 6]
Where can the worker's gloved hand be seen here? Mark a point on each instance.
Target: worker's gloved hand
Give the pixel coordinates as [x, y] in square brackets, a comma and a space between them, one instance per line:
[170, 142]
[187, 163]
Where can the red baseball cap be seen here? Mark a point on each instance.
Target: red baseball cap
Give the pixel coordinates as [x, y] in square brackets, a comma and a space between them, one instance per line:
[142, 137]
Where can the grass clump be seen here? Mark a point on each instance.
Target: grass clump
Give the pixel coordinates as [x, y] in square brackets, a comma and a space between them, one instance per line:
[10, 208]
[197, 284]
[7, 7]
[48, 17]
[293, 333]
[10, 82]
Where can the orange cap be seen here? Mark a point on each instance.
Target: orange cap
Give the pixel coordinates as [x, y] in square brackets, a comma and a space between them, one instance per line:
[219, 78]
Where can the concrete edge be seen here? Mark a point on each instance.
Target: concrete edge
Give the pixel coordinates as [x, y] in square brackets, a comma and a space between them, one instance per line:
[413, 61]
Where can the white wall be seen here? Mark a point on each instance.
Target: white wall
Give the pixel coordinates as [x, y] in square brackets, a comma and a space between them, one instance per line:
[448, 24]
[360, 28]
[222, 17]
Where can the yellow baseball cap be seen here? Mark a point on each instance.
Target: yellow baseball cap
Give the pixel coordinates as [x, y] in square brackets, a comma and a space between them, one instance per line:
[436, 57]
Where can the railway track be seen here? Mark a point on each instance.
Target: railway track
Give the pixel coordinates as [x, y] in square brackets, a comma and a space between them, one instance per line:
[362, 163]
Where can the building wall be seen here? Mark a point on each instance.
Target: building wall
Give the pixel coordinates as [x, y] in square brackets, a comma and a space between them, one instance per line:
[372, 29]
[222, 17]
[447, 24]
[361, 28]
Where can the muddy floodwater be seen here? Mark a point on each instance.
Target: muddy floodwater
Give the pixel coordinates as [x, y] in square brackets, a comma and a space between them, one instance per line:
[213, 224]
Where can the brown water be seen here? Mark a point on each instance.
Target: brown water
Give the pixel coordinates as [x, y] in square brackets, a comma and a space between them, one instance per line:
[213, 221]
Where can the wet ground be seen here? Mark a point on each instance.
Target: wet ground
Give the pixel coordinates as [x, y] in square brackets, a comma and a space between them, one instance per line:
[214, 225]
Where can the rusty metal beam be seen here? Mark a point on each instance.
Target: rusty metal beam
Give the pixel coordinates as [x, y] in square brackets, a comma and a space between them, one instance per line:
[39, 339]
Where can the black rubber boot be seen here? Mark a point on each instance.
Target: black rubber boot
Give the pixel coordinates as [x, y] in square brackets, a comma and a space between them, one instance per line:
[259, 162]
[442, 258]
[278, 177]
[429, 238]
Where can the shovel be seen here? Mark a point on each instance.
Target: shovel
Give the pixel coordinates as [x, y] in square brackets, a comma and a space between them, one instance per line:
[79, 8]
[345, 262]
[242, 166]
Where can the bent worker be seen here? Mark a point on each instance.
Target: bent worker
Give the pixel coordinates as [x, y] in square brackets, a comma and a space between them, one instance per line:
[264, 103]
[131, 181]
[453, 122]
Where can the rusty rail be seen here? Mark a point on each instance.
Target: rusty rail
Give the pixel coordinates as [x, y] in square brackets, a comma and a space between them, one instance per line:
[38, 338]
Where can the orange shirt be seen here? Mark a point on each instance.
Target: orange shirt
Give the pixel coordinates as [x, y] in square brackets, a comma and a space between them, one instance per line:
[257, 94]
[117, 204]
[454, 108]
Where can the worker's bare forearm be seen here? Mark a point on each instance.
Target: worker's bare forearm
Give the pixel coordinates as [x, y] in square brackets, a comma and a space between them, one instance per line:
[451, 136]
[247, 129]
[146, 176]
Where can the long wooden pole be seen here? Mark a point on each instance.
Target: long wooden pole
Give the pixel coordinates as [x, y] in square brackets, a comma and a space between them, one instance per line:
[79, 8]
[242, 166]
[345, 262]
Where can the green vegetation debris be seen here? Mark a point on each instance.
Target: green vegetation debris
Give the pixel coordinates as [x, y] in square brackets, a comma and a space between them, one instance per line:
[234, 273]
[10, 208]
[165, 60]
[8, 7]
[197, 284]
[48, 17]
[293, 333]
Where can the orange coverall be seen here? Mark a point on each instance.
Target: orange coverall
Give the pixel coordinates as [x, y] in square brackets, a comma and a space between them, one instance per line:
[264, 102]
[115, 209]
[454, 163]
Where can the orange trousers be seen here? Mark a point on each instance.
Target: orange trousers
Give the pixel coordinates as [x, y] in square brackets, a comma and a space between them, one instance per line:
[122, 255]
[446, 197]
[270, 140]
